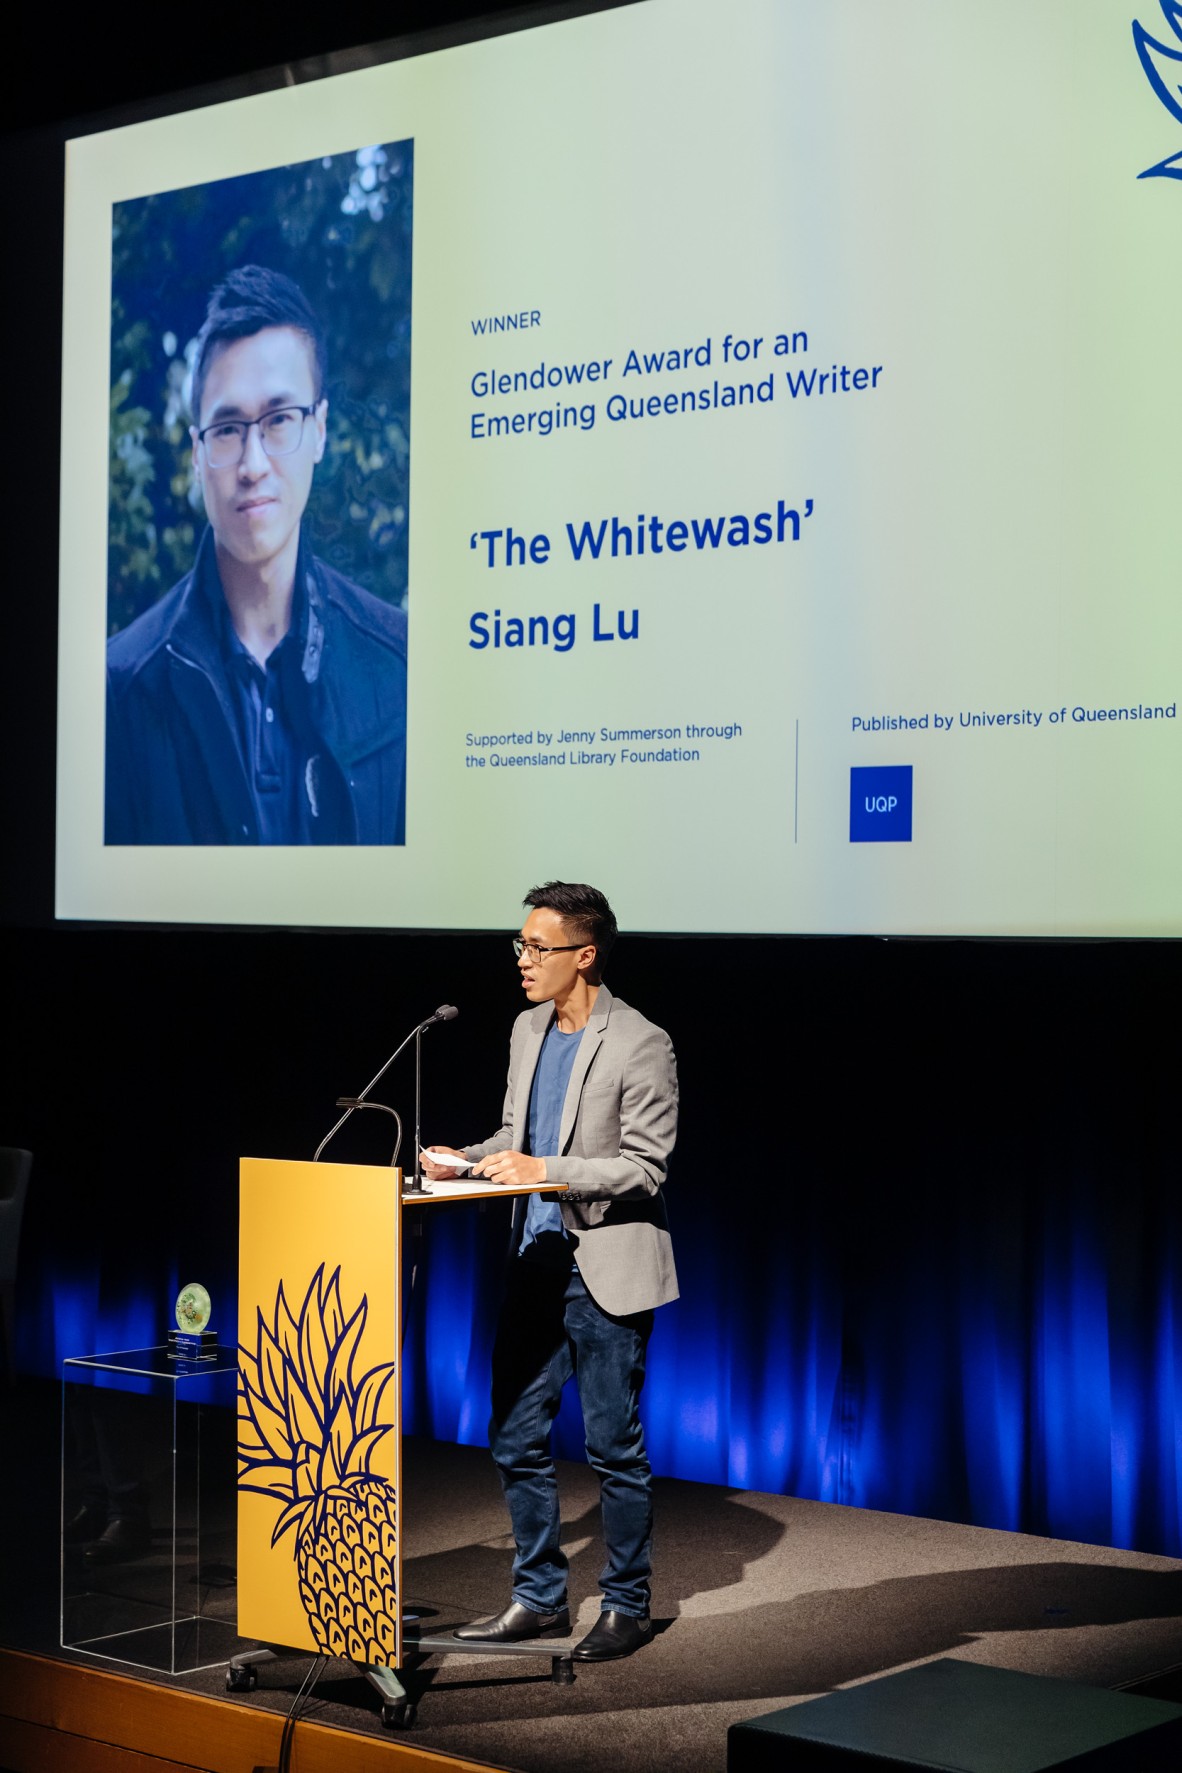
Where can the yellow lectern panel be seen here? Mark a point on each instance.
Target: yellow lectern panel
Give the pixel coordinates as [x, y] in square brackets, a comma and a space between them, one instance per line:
[319, 1408]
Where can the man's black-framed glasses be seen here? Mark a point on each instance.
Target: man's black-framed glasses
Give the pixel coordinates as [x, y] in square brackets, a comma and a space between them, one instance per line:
[281, 432]
[536, 952]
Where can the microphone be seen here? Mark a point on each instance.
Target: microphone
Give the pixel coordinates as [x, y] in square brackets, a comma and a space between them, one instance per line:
[447, 1012]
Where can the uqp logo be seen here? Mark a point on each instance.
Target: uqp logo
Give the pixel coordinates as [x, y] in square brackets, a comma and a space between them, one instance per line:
[1163, 70]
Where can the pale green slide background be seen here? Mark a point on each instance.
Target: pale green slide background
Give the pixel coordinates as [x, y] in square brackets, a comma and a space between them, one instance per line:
[948, 190]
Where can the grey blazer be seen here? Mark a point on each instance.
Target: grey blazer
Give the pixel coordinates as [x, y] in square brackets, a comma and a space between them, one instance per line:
[619, 1124]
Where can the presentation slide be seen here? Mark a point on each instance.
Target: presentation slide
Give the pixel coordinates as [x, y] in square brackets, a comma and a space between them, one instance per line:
[727, 457]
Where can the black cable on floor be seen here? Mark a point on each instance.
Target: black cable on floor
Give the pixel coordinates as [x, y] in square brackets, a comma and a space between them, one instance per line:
[307, 1687]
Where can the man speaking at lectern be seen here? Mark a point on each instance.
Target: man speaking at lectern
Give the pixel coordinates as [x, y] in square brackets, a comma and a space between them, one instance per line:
[591, 1106]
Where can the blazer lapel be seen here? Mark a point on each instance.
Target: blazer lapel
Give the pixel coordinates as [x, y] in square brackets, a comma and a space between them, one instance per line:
[525, 1073]
[588, 1047]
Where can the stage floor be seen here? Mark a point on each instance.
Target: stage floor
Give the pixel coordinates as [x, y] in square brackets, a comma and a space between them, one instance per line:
[760, 1601]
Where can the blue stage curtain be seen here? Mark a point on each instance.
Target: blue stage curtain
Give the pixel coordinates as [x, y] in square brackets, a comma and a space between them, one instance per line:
[979, 1347]
[991, 1351]
[947, 1283]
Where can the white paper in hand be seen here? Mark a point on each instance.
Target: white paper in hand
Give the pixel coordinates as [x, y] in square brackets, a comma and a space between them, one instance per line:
[447, 1160]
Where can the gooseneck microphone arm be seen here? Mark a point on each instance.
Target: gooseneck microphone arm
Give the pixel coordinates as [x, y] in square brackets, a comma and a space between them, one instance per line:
[357, 1102]
[446, 1012]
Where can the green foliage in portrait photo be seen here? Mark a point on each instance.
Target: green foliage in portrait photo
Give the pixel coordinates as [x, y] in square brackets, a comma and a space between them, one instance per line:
[341, 227]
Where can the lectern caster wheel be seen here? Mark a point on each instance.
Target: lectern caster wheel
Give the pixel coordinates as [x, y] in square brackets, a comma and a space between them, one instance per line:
[562, 1670]
[241, 1680]
[397, 1714]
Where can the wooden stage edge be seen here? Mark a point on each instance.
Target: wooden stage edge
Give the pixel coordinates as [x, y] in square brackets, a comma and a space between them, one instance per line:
[61, 1717]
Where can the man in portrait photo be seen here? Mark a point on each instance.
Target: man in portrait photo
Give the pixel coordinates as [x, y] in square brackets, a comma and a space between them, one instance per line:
[262, 700]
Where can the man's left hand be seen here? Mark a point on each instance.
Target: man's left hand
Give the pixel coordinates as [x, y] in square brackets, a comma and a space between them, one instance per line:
[511, 1169]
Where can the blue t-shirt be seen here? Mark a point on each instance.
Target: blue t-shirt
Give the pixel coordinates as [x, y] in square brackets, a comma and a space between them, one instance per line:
[543, 1219]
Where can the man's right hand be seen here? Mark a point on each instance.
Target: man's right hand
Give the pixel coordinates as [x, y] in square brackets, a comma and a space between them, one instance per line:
[440, 1172]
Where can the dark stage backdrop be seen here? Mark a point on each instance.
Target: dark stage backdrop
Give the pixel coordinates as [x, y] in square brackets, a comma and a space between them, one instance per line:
[952, 1286]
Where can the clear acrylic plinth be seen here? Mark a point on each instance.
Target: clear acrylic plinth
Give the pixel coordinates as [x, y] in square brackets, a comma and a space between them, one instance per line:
[148, 1458]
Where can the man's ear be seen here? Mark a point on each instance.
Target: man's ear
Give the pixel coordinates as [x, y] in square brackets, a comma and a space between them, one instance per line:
[320, 420]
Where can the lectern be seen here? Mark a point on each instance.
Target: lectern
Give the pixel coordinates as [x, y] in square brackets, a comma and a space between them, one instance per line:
[319, 1417]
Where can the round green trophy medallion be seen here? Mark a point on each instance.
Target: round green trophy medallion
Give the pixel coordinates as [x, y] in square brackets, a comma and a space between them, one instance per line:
[192, 1308]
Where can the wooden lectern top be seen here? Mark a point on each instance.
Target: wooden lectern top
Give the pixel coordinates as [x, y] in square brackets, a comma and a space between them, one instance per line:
[478, 1189]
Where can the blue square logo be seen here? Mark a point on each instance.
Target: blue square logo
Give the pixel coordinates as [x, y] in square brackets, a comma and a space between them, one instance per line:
[880, 804]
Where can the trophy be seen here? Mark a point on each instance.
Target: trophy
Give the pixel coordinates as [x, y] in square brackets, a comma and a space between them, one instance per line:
[192, 1340]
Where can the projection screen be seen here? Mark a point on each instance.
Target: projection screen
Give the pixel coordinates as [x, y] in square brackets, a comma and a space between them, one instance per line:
[745, 478]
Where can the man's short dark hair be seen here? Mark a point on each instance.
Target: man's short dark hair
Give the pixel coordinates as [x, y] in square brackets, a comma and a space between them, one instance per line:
[583, 909]
[248, 300]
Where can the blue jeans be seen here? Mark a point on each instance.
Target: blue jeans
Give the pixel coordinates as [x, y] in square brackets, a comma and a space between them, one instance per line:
[550, 1327]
